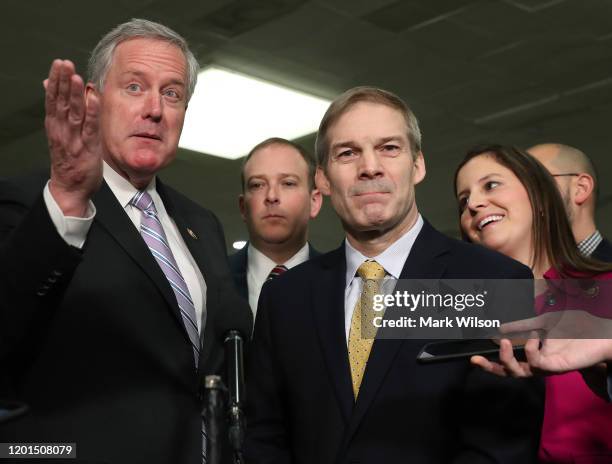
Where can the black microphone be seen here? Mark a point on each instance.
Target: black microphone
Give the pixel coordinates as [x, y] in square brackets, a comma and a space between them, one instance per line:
[235, 323]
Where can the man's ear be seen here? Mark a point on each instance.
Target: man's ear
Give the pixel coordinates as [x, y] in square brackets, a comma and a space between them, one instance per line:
[321, 181]
[316, 201]
[584, 187]
[242, 206]
[419, 168]
[90, 90]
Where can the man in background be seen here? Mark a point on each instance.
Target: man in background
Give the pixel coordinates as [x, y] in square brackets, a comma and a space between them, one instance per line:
[278, 201]
[577, 180]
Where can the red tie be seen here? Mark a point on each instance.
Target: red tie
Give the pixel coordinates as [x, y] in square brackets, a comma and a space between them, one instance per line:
[278, 270]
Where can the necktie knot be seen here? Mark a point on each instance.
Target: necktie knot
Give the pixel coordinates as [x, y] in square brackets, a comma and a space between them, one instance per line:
[143, 201]
[278, 270]
[371, 270]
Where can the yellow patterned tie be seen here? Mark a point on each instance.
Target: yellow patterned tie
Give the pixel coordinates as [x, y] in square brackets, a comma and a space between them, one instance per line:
[359, 345]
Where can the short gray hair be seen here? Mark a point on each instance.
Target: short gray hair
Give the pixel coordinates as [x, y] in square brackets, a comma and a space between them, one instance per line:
[102, 55]
[365, 94]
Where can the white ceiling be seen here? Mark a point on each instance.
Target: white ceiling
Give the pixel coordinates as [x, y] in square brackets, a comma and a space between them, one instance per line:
[508, 71]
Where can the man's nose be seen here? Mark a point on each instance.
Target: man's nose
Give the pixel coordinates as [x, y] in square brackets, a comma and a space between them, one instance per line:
[152, 107]
[370, 166]
[272, 194]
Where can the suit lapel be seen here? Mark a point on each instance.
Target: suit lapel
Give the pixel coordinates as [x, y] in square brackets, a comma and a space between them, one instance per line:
[425, 261]
[328, 307]
[195, 234]
[195, 239]
[111, 216]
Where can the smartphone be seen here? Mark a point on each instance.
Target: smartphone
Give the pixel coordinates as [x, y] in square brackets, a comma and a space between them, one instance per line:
[449, 350]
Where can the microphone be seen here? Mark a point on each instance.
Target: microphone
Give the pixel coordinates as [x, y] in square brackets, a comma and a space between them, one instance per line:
[235, 324]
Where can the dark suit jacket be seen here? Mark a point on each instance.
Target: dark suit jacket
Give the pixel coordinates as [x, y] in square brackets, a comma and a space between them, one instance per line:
[300, 400]
[93, 340]
[239, 262]
[603, 252]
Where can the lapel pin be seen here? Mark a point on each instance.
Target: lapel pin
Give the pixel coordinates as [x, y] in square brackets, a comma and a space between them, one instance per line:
[192, 233]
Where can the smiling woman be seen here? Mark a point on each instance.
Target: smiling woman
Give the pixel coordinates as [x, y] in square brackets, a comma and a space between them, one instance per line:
[509, 202]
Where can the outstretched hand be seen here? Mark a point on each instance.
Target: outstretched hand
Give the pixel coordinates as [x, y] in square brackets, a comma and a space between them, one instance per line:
[73, 135]
[551, 353]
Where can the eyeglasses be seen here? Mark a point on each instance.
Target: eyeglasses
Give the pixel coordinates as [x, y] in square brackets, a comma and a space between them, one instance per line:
[567, 174]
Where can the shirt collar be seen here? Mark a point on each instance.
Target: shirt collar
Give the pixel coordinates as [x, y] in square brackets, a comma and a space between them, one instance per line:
[589, 244]
[260, 265]
[392, 259]
[121, 187]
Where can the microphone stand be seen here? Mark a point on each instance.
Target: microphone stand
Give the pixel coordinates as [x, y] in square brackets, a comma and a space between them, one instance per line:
[213, 415]
[235, 375]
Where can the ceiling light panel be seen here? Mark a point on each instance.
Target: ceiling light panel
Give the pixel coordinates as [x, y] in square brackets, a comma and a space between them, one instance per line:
[230, 113]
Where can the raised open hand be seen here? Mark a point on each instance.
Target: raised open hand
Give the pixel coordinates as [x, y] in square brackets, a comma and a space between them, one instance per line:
[73, 136]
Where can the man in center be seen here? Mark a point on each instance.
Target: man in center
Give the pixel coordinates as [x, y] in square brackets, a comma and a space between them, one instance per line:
[278, 201]
[318, 392]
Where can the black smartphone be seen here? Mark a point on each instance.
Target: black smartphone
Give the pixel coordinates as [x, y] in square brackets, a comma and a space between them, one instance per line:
[456, 349]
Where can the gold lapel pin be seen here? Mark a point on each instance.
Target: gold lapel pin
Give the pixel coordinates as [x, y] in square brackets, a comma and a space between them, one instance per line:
[192, 233]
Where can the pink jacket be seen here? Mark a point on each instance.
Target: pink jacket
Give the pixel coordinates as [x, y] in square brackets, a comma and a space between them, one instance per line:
[577, 423]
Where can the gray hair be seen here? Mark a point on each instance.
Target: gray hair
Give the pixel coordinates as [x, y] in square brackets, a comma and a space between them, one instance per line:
[365, 94]
[102, 55]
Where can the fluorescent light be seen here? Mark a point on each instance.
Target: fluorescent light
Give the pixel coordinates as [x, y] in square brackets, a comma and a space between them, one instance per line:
[230, 113]
[239, 245]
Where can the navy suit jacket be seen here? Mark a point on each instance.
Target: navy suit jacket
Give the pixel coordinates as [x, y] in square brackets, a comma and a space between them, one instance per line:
[239, 263]
[603, 252]
[300, 400]
[93, 339]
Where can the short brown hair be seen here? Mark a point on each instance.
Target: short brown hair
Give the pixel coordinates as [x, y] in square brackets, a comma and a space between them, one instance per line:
[365, 94]
[551, 232]
[280, 141]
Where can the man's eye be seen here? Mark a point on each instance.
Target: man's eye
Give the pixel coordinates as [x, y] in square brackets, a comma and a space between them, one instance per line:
[172, 94]
[390, 148]
[255, 185]
[345, 154]
[133, 87]
[290, 183]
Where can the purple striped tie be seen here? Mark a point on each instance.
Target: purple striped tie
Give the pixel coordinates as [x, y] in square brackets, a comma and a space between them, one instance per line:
[153, 234]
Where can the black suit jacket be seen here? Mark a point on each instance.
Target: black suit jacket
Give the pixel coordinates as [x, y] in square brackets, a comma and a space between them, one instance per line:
[239, 263]
[93, 339]
[300, 399]
[603, 252]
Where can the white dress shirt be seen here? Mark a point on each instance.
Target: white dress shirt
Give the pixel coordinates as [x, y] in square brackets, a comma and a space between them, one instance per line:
[259, 267]
[74, 231]
[392, 260]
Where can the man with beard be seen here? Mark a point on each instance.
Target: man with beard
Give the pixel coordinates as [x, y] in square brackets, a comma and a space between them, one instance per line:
[577, 180]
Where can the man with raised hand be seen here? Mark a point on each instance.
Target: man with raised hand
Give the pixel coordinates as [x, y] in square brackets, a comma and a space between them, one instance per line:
[113, 282]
